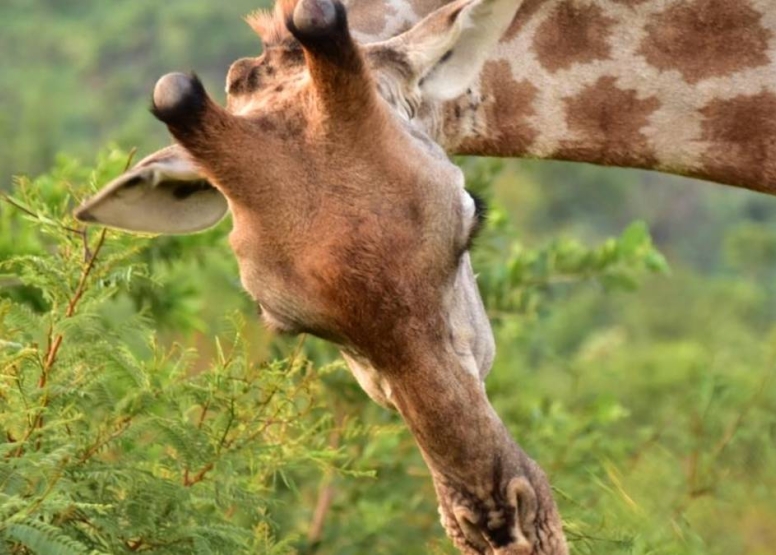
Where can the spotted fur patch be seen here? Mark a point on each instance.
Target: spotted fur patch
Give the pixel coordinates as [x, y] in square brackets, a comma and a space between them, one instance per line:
[707, 38]
[575, 33]
[507, 107]
[742, 134]
[607, 122]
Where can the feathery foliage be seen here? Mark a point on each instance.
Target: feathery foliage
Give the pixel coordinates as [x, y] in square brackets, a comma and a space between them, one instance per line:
[135, 417]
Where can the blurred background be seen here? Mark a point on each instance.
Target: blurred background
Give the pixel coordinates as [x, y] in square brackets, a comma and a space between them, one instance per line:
[640, 378]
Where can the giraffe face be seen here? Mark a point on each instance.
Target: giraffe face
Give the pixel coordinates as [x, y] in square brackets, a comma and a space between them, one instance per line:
[348, 221]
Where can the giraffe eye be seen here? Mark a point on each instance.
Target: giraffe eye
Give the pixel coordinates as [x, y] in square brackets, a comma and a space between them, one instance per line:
[479, 218]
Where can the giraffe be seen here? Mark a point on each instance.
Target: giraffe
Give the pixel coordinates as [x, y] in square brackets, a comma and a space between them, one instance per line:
[353, 240]
[363, 244]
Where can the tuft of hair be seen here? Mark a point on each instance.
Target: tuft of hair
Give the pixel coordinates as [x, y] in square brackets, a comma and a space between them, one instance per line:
[271, 25]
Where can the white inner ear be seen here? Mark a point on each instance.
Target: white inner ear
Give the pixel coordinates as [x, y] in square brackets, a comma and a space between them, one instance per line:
[165, 193]
[446, 50]
[477, 30]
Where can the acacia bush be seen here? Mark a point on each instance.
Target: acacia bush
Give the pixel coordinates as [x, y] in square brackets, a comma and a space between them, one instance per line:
[111, 442]
[142, 408]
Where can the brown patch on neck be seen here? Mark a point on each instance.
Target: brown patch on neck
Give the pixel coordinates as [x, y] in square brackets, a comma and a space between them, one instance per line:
[608, 121]
[742, 133]
[707, 38]
[507, 106]
[629, 2]
[575, 33]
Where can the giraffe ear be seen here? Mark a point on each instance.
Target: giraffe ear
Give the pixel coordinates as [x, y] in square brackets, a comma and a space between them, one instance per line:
[443, 53]
[163, 193]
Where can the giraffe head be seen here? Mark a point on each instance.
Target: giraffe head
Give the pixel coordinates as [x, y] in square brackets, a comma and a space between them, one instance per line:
[351, 224]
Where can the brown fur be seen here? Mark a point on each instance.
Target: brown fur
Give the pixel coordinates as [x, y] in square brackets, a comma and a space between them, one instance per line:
[370, 18]
[525, 14]
[707, 38]
[742, 129]
[575, 33]
[607, 122]
[508, 108]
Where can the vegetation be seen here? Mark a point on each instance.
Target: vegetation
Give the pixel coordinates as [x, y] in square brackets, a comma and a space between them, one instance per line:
[144, 408]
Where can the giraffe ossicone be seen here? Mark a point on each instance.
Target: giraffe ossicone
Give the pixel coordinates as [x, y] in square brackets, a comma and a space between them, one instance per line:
[315, 16]
[173, 91]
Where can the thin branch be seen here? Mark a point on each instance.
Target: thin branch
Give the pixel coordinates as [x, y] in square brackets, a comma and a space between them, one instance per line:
[80, 289]
[325, 499]
[326, 492]
[735, 426]
[48, 361]
[18, 206]
[123, 425]
[10, 282]
[130, 157]
[198, 477]
[203, 414]
[232, 416]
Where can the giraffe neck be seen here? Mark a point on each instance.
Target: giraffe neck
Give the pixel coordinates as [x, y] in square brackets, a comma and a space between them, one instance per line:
[680, 86]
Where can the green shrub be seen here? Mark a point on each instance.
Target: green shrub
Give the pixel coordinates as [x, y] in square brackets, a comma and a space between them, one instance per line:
[143, 408]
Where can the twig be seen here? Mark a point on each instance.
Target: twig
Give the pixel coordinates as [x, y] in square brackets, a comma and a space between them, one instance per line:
[232, 416]
[54, 344]
[733, 427]
[198, 477]
[130, 157]
[203, 414]
[325, 494]
[325, 498]
[16, 205]
[80, 289]
[123, 424]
